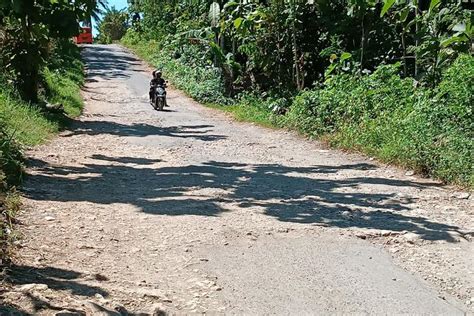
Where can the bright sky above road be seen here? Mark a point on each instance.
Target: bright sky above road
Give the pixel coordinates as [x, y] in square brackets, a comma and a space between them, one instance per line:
[119, 4]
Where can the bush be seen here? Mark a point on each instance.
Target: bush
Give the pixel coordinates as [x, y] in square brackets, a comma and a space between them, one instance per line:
[430, 130]
[11, 160]
[447, 122]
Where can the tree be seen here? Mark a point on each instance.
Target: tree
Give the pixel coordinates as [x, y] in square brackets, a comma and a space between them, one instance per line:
[113, 26]
[282, 46]
[27, 28]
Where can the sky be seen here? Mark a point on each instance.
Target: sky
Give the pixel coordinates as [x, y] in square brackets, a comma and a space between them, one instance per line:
[119, 4]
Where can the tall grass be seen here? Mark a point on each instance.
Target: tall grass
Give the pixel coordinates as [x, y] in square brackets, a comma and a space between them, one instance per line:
[29, 124]
[24, 122]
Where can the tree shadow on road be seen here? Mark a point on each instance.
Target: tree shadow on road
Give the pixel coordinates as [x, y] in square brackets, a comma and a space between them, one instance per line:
[12, 310]
[108, 64]
[54, 278]
[307, 195]
[196, 132]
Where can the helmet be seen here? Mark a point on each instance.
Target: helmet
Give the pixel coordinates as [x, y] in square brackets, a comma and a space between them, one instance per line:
[157, 72]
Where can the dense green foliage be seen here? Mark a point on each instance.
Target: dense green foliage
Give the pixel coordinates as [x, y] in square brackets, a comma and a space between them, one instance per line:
[431, 131]
[27, 31]
[389, 78]
[275, 46]
[113, 25]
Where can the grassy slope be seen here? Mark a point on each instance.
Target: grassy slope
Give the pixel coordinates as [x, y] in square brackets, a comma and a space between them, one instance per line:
[23, 124]
[26, 123]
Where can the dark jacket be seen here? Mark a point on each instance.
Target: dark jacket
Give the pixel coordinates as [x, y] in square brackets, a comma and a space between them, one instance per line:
[157, 82]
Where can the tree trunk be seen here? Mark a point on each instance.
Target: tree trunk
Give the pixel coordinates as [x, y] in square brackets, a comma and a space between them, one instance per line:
[29, 71]
[234, 47]
[222, 43]
[417, 42]
[216, 41]
[363, 41]
[295, 56]
[404, 47]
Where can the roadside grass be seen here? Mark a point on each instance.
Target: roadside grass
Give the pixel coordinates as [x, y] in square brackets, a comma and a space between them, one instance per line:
[64, 77]
[30, 124]
[24, 122]
[429, 130]
[249, 113]
[23, 125]
[9, 207]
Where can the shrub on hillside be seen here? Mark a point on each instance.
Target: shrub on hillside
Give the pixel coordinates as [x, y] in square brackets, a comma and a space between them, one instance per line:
[382, 114]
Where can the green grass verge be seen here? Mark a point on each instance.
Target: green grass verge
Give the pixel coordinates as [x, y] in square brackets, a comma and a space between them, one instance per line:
[23, 122]
[29, 124]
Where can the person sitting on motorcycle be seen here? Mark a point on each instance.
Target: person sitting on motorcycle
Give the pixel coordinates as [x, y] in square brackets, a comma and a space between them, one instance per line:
[157, 80]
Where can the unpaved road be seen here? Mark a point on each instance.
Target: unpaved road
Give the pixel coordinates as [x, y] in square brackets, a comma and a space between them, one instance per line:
[187, 211]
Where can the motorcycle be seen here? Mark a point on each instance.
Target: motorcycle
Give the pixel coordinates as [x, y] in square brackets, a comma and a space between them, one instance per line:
[159, 97]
